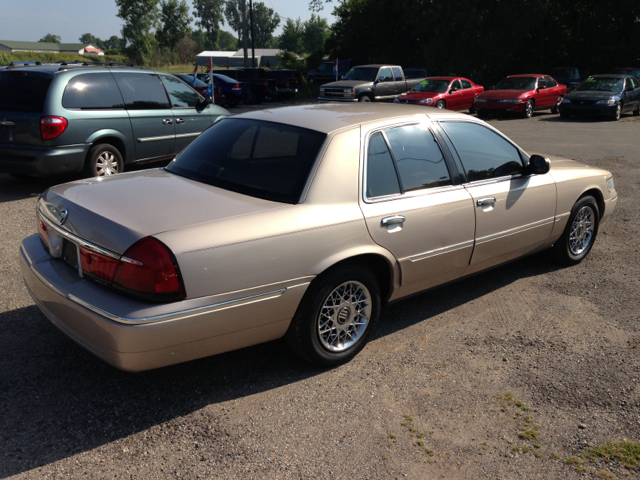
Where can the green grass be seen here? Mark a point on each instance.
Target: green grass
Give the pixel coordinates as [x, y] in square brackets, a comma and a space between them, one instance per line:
[626, 453]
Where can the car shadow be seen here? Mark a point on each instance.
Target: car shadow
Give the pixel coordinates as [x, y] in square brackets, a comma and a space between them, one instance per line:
[58, 400]
[13, 188]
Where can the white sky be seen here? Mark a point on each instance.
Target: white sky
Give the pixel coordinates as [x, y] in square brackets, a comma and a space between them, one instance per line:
[30, 20]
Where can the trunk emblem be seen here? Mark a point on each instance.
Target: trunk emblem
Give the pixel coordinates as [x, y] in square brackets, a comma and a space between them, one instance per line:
[61, 215]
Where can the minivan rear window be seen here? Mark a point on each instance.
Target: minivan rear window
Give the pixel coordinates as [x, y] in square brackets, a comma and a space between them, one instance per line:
[267, 160]
[92, 91]
[23, 91]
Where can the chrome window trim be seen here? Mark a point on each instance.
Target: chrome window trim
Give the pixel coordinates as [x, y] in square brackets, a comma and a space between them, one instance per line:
[420, 120]
[506, 233]
[180, 314]
[439, 251]
[155, 139]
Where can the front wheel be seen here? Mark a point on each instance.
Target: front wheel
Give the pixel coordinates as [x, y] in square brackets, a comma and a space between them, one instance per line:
[528, 109]
[618, 113]
[555, 109]
[441, 104]
[103, 160]
[336, 316]
[364, 98]
[579, 234]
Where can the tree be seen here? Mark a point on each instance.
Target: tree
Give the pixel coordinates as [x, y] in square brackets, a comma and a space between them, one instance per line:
[226, 41]
[209, 13]
[265, 21]
[175, 22]
[50, 38]
[114, 43]
[87, 38]
[315, 34]
[233, 15]
[140, 16]
[291, 38]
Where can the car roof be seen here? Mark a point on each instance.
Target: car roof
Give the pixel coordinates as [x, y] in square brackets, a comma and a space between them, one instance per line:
[53, 68]
[329, 117]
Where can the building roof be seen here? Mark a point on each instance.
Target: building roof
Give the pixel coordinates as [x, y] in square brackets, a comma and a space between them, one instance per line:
[214, 53]
[260, 52]
[45, 46]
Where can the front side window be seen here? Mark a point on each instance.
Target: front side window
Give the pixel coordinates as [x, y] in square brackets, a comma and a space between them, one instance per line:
[418, 157]
[181, 95]
[92, 91]
[142, 91]
[261, 159]
[634, 82]
[455, 86]
[385, 75]
[484, 154]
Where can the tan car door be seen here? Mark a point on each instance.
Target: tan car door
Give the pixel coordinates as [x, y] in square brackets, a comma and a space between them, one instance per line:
[415, 207]
[514, 212]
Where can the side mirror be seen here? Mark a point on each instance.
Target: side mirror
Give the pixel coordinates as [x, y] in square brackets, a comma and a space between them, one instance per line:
[538, 165]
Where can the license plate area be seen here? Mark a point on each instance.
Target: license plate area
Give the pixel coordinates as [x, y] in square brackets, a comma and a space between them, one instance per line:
[70, 255]
[6, 134]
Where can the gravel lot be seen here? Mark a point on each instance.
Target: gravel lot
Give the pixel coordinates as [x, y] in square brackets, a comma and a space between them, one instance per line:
[450, 382]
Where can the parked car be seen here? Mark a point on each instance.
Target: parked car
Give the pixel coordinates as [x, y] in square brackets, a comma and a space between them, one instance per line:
[287, 82]
[95, 119]
[235, 91]
[202, 88]
[326, 73]
[368, 83]
[521, 94]
[452, 93]
[607, 95]
[263, 88]
[299, 222]
[634, 71]
[570, 77]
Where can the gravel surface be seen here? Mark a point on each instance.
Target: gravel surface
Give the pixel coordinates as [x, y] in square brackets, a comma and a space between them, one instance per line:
[449, 385]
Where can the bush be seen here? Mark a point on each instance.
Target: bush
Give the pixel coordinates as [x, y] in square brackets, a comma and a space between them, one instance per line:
[7, 58]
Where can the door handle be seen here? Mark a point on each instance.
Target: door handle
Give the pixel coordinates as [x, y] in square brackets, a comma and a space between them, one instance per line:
[486, 201]
[167, 121]
[395, 220]
[179, 121]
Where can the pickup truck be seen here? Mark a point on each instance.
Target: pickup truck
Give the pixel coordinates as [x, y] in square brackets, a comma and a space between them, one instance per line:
[369, 83]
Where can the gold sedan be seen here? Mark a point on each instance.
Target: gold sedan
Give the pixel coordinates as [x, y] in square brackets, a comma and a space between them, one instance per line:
[299, 222]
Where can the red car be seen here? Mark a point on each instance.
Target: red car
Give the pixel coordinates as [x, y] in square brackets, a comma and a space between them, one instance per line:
[453, 93]
[521, 94]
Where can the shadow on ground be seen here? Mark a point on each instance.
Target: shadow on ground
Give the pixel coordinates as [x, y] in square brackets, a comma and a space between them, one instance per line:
[57, 400]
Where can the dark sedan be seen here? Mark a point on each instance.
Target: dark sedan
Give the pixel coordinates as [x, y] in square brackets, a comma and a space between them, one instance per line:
[606, 95]
[234, 90]
[202, 88]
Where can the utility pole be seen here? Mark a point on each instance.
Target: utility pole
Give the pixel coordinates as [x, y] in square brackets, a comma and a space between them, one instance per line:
[244, 32]
[253, 50]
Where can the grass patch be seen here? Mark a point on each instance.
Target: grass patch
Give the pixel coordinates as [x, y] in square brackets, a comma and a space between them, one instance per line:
[528, 435]
[625, 453]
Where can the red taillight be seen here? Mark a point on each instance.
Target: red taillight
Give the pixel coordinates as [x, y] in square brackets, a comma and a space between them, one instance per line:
[98, 266]
[236, 87]
[288, 83]
[52, 127]
[266, 83]
[154, 275]
[42, 231]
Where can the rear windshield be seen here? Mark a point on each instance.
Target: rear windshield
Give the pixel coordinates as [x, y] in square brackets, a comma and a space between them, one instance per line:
[23, 91]
[261, 159]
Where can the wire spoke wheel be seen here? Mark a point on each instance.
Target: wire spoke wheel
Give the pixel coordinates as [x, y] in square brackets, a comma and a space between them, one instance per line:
[581, 231]
[106, 164]
[344, 316]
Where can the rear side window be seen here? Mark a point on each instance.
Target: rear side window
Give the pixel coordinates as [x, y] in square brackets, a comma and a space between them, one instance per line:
[381, 174]
[397, 73]
[418, 157]
[465, 84]
[23, 91]
[484, 154]
[92, 91]
[262, 159]
[142, 91]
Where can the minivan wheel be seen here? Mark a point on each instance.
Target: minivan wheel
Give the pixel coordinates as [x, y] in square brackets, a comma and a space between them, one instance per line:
[336, 316]
[103, 160]
[579, 234]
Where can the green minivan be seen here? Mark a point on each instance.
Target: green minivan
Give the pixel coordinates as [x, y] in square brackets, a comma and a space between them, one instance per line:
[95, 119]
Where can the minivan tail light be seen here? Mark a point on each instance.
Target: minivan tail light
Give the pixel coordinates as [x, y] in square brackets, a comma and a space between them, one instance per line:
[149, 270]
[52, 127]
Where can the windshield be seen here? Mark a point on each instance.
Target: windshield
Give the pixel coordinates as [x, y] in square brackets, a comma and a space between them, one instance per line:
[601, 84]
[517, 83]
[362, 73]
[261, 159]
[435, 86]
[564, 73]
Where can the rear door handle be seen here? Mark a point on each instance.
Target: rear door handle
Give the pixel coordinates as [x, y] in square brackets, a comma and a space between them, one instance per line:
[486, 201]
[395, 220]
[180, 121]
[167, 121]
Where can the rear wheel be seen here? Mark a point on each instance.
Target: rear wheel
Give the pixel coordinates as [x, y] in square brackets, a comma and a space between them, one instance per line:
[336, 316]
[579, 234]
[103, 160]
[441, 104]
[555, 109]
[528, 109]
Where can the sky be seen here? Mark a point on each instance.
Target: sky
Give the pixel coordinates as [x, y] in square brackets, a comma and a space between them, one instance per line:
[30, 20]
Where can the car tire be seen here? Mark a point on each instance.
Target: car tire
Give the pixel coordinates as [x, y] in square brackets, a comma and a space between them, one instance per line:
[528, 109]
[364, 98]
[618, 112]
[636, 112]
[579, 234]
[103, 160]
[268, 97]
[442, 105]
[334, 301]
[555, 109]
[252, 99]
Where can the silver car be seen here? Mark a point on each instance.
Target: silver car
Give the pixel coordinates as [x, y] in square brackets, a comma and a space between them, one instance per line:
[299, 222]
